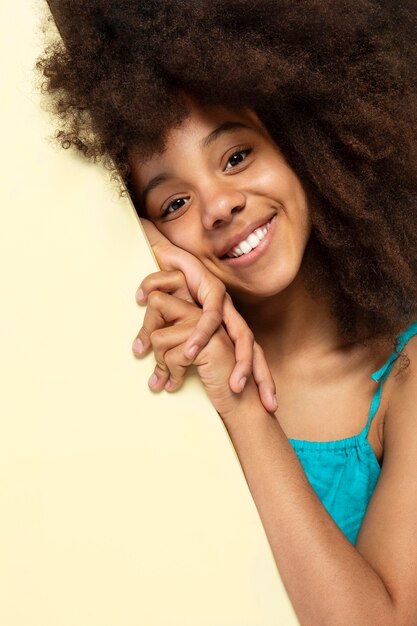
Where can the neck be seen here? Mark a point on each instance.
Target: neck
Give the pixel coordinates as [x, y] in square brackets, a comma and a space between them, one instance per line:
[290, 323]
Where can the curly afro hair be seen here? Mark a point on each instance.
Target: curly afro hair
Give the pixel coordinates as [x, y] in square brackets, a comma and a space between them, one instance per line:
[334, 83]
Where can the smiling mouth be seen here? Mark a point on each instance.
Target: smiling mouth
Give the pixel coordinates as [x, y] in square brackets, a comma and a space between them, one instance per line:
[250, 243]
[246, 259]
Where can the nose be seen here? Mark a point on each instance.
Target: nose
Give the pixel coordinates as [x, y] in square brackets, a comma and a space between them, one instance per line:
[220, 203]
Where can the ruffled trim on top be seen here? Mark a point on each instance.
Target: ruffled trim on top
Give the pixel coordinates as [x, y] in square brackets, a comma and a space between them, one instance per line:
[402, 339]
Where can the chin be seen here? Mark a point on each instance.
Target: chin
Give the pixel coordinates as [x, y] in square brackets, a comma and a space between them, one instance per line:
[255, 294]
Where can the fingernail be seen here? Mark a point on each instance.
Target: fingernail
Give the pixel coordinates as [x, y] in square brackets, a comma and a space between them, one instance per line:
[191, 352]
[137, 345]
[169, 384]
[153, 380]
[140, 295]
[242, 382]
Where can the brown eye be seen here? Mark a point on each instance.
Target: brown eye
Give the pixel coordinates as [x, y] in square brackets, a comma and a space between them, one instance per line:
[237, 157]
[173, 206]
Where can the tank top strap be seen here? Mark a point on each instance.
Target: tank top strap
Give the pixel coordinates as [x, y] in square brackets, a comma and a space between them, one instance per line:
[382, 374]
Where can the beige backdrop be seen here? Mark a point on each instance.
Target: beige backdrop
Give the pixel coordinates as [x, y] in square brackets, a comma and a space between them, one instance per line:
[118, 507]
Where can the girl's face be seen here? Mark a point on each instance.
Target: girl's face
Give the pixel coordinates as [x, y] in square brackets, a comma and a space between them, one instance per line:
[222, 191]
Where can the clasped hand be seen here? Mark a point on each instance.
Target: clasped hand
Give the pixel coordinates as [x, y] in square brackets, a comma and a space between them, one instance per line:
[226, 355]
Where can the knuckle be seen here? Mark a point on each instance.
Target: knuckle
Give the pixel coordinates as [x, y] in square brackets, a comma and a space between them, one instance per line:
[156, 338]
[170, 360]
[249, 335]
[149, 280]
[178, 276]
[216, 283]
[145, 333]
[161, 365]
[221, 287]
[145, 284]
[173, 379]
[216, 316]
[173, 384]
[155, 299]
[211, 284]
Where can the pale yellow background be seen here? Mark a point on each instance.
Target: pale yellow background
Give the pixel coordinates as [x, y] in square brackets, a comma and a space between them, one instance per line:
[118, 507]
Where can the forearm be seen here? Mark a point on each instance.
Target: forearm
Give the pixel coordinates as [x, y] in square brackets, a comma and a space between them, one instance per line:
[327, 579]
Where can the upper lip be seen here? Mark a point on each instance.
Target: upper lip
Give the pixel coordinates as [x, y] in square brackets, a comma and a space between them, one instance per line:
[243, 234]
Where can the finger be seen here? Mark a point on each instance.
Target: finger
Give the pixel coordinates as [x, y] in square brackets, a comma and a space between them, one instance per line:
[164, 341]
[172, 281]
[264, 380]
[160, 245]
[171, 257]
[205, 288]
[211, 295]
[243, 338]
[177, 366]
[163, 308]
[207, 325]
[152, 321]
[159, 377]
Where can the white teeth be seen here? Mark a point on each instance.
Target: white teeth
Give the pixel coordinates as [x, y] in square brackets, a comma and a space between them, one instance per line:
[253, 240]
[246, 247]
[250, 243]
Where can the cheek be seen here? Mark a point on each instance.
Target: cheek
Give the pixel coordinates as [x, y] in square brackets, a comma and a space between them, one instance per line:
[267, 179]
[185, 236]
[289, 183]
[274, 178]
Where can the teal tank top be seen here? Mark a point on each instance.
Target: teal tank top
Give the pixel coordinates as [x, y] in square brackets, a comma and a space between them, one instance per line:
[343, 473]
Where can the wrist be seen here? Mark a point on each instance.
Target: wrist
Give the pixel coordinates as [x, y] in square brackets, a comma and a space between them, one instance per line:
[245, 405]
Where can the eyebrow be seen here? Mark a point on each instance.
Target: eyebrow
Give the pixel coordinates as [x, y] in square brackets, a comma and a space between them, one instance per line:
[223, 128]
[154, 182]
[207, 141]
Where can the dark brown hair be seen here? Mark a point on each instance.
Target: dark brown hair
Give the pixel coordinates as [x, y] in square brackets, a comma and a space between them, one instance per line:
[334, 83]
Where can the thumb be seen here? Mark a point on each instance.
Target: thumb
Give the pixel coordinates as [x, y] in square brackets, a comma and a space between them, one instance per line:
[171, 257]
[160, 245]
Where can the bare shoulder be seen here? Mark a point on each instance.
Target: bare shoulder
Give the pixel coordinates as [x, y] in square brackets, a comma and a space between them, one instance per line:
[403, 393]
[388, 536]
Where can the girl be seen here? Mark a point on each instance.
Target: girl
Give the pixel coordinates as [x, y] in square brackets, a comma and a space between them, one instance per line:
[270, 148]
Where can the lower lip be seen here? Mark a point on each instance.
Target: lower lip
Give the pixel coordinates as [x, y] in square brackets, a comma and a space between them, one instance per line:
[246, 259]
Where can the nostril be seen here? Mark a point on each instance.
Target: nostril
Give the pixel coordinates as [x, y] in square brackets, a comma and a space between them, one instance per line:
[218, 222]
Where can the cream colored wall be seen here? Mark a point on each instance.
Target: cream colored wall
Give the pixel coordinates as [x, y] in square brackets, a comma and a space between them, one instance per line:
[118, 507]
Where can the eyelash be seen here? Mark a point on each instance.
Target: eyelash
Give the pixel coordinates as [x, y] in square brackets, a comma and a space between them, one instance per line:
[240, 150]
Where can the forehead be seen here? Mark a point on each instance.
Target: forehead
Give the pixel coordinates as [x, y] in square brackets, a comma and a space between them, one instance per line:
[202, 126]
[203, 119]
